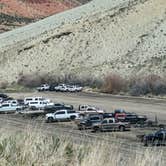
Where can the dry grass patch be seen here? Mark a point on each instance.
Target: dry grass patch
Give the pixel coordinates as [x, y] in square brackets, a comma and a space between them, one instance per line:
[31, 147]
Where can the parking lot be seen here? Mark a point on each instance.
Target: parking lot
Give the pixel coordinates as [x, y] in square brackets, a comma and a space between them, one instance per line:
[149, 107]
[128, 140]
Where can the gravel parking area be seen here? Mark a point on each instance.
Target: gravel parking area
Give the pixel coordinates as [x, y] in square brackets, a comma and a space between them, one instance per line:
[149, 107]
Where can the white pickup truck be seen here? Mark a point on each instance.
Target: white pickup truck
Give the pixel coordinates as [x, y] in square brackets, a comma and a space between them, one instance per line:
[87, 109]
[27, 100]
[44, 87]
[9, 108]
[61, 115]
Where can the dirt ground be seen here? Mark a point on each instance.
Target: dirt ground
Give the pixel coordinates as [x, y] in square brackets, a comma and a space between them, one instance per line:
[149, 107]
[128, 140]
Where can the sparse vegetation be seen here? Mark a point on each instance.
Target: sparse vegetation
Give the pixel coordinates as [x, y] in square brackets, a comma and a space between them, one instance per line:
[33, 80]
[151, 84]
[112, 83]
[137, 86]
[3, 84]
[33, 148]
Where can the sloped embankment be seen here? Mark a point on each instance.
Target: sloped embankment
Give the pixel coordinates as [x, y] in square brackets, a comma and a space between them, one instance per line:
[121, 36]
[21, 12]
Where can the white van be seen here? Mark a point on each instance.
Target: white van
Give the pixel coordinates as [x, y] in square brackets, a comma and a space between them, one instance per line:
[27, 100]
[13, 102]
[37, 104]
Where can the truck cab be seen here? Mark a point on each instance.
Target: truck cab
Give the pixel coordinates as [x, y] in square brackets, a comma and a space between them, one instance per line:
[9, 108]
[87, 109]
[27, 100]
[43, 87]
[88, 121]
[61, 115]
[111, 124]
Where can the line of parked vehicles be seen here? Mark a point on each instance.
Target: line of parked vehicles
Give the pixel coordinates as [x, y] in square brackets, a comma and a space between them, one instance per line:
[85, 117]
[60, 88]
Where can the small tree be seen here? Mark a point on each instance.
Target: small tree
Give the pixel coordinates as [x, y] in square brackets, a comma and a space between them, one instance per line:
[113, 83]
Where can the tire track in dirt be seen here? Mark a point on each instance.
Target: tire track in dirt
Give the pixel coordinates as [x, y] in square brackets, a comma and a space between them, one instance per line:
[76, 136]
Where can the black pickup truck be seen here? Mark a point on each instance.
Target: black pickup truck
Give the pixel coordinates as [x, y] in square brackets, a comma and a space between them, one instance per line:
[134, 118]
[155, 139]
[56, 107]
[87, 122]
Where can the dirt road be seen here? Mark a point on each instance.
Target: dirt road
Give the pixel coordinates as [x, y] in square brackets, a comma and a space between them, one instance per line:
[149, 107]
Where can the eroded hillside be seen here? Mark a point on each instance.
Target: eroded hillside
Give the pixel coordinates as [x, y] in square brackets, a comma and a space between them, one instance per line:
[16, 13]
[128, 37]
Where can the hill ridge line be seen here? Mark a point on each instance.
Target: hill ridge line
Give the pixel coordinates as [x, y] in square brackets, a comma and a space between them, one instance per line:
[57, 20]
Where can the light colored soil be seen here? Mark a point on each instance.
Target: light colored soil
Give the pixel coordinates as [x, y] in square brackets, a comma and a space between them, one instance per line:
[128, 140]
[105, 36]
[109, 103]
[34, 8]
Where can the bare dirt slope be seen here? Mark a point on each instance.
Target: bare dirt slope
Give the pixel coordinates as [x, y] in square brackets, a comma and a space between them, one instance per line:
[124, 36]
[18, 13]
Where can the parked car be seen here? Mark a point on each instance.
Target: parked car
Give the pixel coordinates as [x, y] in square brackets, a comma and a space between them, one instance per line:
[119, 114]
[60, 87]
[134, 118]
[155, 139]
[13, 102]
[87, 109]
[107, 115]
[71, 88]
[68, 88]
[43, 87]
[78, 88]
[2, 95]
[34, 105]
[52, 87]
[27, 100]
[83, 107]
[1, 99]
[61, 115]
[88, 121]
[57, 106]
[9, 108]
[110, 124]
[20, 101]
[74, 88]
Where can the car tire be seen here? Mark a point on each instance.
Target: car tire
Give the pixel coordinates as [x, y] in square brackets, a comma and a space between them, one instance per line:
[146, 143]
[80, 127]
[18, 109]
[156, 142]
[161, 126]
[49, 120]
[95, 129]
[121, 128]
[149, 143]
[72, 117]
[33, 108]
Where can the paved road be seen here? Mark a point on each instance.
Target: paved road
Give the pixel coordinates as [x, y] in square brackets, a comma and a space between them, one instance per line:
[109, 103]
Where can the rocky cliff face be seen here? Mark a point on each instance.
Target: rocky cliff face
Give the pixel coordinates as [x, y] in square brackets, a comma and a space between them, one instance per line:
[128, 37]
